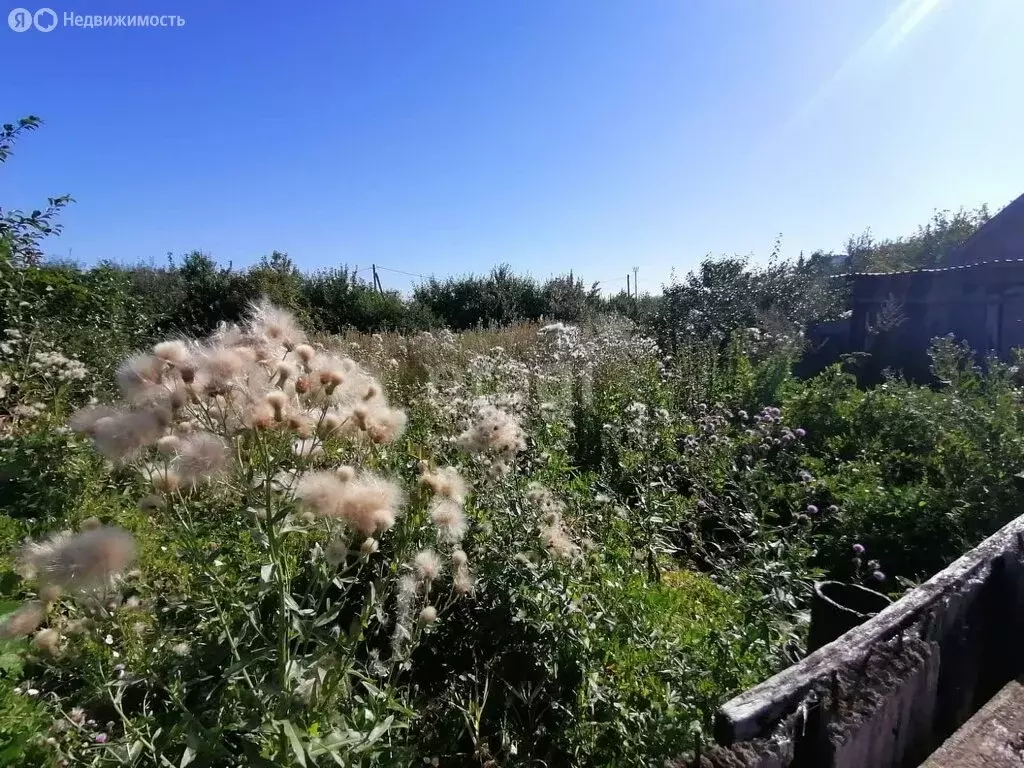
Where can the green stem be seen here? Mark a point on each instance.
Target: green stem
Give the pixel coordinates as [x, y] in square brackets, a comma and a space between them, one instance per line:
[277, 558]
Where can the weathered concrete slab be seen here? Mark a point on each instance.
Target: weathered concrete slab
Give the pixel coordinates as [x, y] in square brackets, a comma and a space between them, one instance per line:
[993, 738]
[955, 608]
[882, 717]
[888, 692]
[774, 752]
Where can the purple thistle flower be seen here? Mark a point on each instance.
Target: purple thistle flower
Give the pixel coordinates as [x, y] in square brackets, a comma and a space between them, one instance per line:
[812, 509]
[101, 738]
[832, 509]
[878, 576]
[800, 432]
[858, 549]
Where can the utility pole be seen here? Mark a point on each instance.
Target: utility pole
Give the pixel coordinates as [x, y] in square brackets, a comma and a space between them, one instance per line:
[376, 279]
[636, 283]
[628, 293]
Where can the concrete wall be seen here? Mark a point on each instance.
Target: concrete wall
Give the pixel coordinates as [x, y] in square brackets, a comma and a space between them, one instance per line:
[889, 692]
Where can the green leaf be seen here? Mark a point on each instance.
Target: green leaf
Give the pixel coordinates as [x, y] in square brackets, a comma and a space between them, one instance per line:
[11, 661]
[295, 741]
[379, 729]
[328, 617]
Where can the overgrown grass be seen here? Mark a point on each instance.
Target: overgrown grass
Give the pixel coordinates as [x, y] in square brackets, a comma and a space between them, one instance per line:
[539, 545]
[644, 554]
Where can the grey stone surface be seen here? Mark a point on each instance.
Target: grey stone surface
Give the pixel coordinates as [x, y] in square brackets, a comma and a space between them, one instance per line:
[888, 692]
[992, 738]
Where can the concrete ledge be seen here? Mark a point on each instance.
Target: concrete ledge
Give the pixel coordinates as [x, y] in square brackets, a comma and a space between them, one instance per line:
[889, 691]
[993, 738]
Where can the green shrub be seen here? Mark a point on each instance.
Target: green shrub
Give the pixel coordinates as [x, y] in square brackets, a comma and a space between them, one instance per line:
[625, 535]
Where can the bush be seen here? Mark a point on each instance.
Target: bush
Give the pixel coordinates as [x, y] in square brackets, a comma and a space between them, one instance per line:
[778, 301]
[921, 474]
[558, 545]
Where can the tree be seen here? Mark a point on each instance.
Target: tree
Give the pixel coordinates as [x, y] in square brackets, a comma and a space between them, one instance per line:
[930, 246]
[21, 233]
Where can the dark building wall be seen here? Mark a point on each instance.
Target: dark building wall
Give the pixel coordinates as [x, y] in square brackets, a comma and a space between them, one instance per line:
[982, 304]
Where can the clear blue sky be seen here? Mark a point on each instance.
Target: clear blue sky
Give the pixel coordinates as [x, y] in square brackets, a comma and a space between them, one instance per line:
[448, 136]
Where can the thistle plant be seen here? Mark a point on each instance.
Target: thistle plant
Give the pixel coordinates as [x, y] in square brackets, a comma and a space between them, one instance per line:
[317, 556]
[34, 376]
[287, 569]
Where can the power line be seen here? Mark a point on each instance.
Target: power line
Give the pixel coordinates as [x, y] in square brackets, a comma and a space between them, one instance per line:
[401, 272]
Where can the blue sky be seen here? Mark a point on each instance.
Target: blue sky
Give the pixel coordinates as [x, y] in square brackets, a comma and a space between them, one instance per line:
[448, 136]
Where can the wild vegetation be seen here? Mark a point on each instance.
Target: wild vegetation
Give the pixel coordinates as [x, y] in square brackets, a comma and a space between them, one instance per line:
[239, 528]
[930, 246]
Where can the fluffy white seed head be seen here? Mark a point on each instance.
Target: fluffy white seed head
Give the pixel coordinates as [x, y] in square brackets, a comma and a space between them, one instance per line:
[168, 444]
[336, 551]
[23, 621]
[493, 431]
[278, 326]
[278, 401]
[446, 481]
[369, 546]
[449, 518]
[427, 565]
[284, 371]
[139, 375]
[83, 561]
[305, 353]
[367, 503]
[47, 641]
[173, 351]
[121, 434]
[462, 582]
[201, 457]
